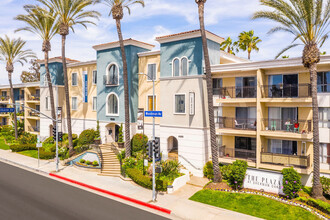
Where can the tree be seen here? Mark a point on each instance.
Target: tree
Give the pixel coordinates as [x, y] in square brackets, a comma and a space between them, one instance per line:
[308, 22]
[247, 42]
[214, 148]
[33, 75]
[11, 52]
[70, 14]
[43, 23]
[228, 45]
[117, 12]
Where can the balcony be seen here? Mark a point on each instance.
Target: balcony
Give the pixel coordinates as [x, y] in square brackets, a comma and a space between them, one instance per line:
[33, 114]
[237, 123]
[287, 91]
[289, 125]
[234, 153]
[35, 97]
[110, 81]
[236, 92]
[4, 98]
[21, 98]
[286, 160]
[34, 129]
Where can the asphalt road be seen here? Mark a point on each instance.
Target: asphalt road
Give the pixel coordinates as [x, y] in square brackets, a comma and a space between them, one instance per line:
[26, 195]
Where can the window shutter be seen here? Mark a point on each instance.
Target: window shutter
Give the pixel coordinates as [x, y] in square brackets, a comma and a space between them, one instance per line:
[328, 153]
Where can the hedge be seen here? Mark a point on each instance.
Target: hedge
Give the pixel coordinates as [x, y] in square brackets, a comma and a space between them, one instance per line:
[319, 204]
[22, 147]
[137, 176]
[46, 155]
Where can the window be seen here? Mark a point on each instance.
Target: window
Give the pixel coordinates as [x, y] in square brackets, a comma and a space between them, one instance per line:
[74, 79]
[47, 103]
[180, 104]
[282, 147]
[245, 147]
[113, 74]
[94, 77]
[217, 84]
[323, 82]
[184, 66]
[74, 103]
[112, 104]
[324, 153]
[4, 93]
[150, 101]
[38, 108]
[324, 117]
[152, 74]
[176, 67]
[246, 87]
[94, 103]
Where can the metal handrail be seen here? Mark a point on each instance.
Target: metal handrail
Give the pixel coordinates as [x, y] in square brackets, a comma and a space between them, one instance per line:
[287, 91]
[289, 125]
[236, 92]
[189, 162]
[307, 158]
[237, 123]
[99, 151]
[116, 151]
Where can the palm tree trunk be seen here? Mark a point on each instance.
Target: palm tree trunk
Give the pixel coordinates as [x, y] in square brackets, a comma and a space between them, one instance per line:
[214, 148]
[67, 96]
[50, 87]
[13, 100]
[317, 191]
[126, 91]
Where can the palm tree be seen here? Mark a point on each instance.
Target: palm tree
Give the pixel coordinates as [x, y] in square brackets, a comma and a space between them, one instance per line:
[307, 21]
[11, 52]
[44, 24]
[117, 12]
[70, 13]
[228, 45]
[214, 148]
[247, 42]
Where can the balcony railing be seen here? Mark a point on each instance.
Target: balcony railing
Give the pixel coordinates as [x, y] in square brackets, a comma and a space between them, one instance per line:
[34, 114]
[110, 81]
[4, 98]
[236, 92]
[34, 129]
[286, 160]
[237, 123]
[35, 97]
[289, 125]
[287, 91]
[237, 153]
[21, 97]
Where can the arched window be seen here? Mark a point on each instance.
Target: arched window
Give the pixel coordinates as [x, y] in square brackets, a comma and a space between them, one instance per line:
[176, 67]
[112, 104]
[113, 75]
[184, 66]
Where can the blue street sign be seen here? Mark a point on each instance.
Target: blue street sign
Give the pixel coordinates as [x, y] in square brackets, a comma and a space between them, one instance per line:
[7, 109]
[157, 114]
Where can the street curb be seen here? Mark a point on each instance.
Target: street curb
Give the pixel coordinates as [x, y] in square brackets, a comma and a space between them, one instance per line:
[167, 211]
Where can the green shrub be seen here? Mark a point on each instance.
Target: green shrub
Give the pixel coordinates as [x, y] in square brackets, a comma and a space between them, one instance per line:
[161, 185]
[22, 147]
[62, 153]
[170, 168]
[138, 177]
[46, 155]
[139, 142]
[97, 132]
[75, 142]
[9, 138]
[82, 161]
[208, 170]
[27, 138]
[316, 203]
[95, 163]
[79, 149]
[128, 163]
[226, 171]
[325, 185]
[291, 182]
[49, 140]
[86, 137]
[236, 174]
[88, 162]
[120, 134]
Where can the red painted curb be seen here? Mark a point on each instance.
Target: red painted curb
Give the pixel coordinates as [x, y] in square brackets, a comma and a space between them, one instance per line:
[167, 211]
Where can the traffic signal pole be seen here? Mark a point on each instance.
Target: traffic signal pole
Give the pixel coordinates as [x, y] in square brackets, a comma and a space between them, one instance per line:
[56, 125]
[153, 139]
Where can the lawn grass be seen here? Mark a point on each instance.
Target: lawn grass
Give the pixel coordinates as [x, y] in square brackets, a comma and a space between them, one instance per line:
[254, 205]
[3, 145]
[30, 153]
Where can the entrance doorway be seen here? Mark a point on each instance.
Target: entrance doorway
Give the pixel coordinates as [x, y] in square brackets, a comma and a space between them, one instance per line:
[172, 148]
[112, 133]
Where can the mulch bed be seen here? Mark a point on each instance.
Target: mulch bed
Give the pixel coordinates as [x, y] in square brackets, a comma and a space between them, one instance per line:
[215, 186]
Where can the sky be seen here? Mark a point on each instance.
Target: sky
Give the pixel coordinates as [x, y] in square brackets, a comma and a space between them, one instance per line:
[226, 18]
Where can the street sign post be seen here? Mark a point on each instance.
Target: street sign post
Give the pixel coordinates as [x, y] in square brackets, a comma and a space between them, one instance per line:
[39, 145]
[158, 114]
[5, 110]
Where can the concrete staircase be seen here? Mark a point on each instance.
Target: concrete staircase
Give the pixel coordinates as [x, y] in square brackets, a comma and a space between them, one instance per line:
[111, 165]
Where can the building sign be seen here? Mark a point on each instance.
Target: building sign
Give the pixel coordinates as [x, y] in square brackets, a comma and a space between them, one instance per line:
[140, 119]
[85, 86]
[264, 180]
[191, 103]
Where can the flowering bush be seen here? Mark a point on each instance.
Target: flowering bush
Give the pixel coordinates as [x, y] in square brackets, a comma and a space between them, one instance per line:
[236, 174]
[139, 142]
[325, 185]
[208, 170]
[291, 182]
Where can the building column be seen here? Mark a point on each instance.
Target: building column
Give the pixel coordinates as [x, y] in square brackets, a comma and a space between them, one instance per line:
[260, 82]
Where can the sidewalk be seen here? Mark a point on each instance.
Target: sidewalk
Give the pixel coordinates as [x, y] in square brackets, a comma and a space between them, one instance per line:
[177, 202]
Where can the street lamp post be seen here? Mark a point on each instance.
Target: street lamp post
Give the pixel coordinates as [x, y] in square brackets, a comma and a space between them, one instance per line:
[153, 137]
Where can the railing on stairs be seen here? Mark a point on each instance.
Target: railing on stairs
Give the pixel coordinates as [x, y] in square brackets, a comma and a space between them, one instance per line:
[99, 151]
[117, 153]
[185, 159]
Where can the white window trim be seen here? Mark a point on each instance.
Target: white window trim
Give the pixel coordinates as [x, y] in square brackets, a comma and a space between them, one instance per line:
[107, 72]
[72, 79]
[47, 103]
[72, 103]
[185, 104]
[107, 107]
[147, 106]
[179, 66]
[93, 77]
[181, 73]
[150, 80]
[94, 110]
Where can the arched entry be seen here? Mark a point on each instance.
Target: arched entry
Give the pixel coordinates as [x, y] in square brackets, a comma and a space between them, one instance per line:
[112, 131]
[172, 147]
